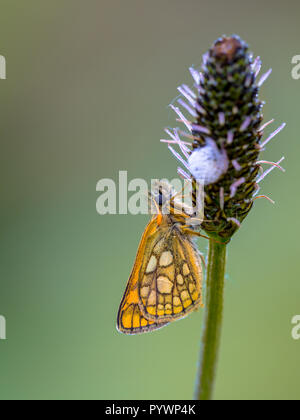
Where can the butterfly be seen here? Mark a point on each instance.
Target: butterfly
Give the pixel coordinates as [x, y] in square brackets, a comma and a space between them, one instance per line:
[166, 280]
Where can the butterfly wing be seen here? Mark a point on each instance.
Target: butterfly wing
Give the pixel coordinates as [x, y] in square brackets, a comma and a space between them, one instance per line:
[130, 318]
[132, 321]
[170, 283]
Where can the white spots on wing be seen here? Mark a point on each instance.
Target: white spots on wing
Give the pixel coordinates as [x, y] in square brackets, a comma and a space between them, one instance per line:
[166, 259]
[164, 285]
[180, 280]
[184, 295]
[185, 269]
[168, 307]
[151, 264]
[158, 247]
[152, 298]
[191, 287]
[176, 301]
[144, 291]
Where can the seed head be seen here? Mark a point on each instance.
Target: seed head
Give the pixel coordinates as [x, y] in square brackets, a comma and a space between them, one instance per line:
[225, 132]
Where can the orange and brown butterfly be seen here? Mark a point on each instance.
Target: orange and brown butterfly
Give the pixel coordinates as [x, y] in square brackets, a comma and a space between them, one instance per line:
[166, 280]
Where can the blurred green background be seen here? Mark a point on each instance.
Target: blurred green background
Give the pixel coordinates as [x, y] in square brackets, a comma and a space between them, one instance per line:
[86, 95]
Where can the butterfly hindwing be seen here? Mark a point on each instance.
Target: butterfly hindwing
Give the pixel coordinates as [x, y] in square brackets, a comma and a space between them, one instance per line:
[132, 321]
[170, 279]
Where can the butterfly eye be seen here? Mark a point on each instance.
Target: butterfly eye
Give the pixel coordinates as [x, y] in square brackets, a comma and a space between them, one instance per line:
[161, 199]
[159, 196]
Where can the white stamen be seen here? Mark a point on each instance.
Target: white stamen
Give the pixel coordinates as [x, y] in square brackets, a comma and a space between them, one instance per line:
[222, 198]
[201, 90]
[188, 108]
[236, 165]
[183, 174]
[182, 121]
[182, 117]
[200, 129]
[205, 58]
[271, 163]
[273, 135]
[235, 185]
[248, 80]
[178, 141]
[268, 171]
[264, 78]
[195, 74]
[171, 134]
[229, 137]
[177, 155]
[200, 109]
[221, 116]
[189, 136]
[183, 148]
[246, 123]
[256, 66]
[189, 91]
[258, 69]
[189, 98]
[266, 125]
[168, 141]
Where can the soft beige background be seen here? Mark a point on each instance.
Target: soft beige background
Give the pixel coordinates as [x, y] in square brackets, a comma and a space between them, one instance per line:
[86, 96]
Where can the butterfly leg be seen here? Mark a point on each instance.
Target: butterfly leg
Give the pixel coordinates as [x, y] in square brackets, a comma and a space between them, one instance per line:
[189, 231]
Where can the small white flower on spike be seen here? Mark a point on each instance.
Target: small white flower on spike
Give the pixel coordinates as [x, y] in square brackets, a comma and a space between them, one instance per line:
[208, 163]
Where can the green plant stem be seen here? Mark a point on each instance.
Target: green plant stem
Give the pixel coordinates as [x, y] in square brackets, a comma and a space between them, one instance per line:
[212, 327]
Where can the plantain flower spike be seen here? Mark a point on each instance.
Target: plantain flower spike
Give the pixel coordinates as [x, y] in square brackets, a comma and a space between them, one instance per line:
[223, 134]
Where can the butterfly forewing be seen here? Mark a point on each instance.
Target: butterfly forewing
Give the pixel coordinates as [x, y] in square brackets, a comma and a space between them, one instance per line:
[130, 318]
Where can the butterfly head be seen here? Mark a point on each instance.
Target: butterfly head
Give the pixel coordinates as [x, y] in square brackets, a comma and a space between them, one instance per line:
[167, 204]
[161, 193]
